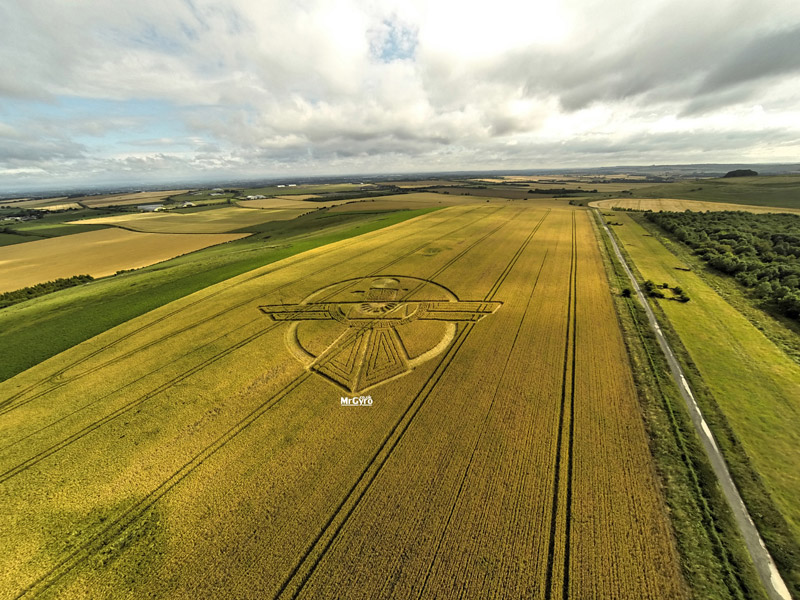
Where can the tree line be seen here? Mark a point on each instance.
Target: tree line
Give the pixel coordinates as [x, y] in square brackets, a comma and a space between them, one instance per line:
[40, 289]
[762, 251]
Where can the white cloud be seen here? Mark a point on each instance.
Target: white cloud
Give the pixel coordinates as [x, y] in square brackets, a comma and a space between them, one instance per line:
[371, 85]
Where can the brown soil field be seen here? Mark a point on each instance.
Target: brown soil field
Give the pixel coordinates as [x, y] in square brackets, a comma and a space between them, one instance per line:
[202, 450]
[96, 253]
[670, 204]
[219, 220]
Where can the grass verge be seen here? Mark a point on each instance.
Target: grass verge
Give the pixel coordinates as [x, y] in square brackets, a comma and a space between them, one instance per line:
[714, 559]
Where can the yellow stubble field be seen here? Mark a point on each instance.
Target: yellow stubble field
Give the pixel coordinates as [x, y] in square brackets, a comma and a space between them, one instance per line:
[672, 204]
[218, 220]
[96, 253]
[202, 450]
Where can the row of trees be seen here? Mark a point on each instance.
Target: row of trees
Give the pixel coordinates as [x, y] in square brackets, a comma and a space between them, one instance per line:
[40, 289]
[762, 251]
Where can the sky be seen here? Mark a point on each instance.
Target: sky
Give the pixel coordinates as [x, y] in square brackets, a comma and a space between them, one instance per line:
[108, 91]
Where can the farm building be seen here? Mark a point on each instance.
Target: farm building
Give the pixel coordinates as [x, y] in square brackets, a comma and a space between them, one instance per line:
[150, 207]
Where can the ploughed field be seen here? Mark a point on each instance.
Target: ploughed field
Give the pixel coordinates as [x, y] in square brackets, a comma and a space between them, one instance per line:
[202, 450]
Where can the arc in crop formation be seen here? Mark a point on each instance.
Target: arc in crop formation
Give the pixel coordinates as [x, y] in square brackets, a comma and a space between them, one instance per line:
[368, 319]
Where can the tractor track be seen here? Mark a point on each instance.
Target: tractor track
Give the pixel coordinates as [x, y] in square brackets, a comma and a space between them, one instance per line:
[565, 422]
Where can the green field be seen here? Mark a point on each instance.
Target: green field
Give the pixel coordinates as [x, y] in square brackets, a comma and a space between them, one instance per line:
[754, 384]
[57, 224]
[7, 239]
[781, 190]
[33, 331]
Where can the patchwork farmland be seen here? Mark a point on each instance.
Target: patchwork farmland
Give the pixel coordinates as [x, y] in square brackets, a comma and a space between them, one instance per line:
[201, 450]
[97, 253]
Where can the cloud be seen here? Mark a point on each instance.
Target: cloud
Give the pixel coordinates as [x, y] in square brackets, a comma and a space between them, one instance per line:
[769, 55]
[261, 88]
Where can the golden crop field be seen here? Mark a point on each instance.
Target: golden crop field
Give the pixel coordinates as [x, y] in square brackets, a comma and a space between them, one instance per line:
[203, 451]
[39, 203]
[408, 201]
[96, 253]
[128, 199]
[670, 204]
[219, 220]
[299, 202]
[60, 206]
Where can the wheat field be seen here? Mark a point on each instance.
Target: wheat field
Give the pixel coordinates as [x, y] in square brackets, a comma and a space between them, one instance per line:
[202, 450]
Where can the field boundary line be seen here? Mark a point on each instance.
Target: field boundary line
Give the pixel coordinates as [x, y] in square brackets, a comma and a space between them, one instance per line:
[567, 396]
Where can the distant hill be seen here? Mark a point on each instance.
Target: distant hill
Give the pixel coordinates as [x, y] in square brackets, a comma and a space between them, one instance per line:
[741, 173]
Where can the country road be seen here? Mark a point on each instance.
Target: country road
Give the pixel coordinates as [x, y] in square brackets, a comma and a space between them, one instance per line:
[767, 571]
